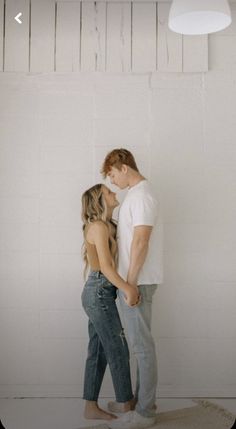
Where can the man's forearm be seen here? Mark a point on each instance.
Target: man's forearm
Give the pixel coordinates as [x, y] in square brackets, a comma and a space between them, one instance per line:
[138, 255]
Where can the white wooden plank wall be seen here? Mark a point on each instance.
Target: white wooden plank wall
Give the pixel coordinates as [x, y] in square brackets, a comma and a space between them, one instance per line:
[42, 54]
[93, 36]
[118, 58]
[195, 53]
[1, 33]
[169, 53]
[16, 36]
[144, 37]
[69, 36]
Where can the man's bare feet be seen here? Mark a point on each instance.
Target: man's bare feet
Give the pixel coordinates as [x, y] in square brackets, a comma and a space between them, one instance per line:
[124, 407]
[92, 411]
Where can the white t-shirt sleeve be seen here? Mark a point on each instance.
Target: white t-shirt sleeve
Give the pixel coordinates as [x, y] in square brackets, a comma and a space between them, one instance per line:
[144, 211]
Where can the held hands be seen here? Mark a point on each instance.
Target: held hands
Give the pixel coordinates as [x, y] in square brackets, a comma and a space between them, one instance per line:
[132, 296]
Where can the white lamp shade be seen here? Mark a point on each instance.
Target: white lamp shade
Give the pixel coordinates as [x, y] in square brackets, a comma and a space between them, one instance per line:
[199, 16]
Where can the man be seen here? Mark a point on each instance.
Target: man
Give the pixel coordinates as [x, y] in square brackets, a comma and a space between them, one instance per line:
[140, 262]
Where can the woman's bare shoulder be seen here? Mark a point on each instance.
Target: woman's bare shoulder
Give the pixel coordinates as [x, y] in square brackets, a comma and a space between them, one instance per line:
[97, 227]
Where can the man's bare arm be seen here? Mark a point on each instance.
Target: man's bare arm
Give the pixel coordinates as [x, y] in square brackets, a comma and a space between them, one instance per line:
[138, 251]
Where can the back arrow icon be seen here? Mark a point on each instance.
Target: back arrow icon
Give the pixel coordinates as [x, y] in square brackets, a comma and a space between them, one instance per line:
[17, 18]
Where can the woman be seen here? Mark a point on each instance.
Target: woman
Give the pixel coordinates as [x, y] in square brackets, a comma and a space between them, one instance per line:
[107, 343]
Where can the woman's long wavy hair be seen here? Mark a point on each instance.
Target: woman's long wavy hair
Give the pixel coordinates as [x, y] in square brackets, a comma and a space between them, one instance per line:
[94, 208]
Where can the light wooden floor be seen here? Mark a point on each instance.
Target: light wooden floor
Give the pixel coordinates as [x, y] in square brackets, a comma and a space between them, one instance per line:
[60, 413]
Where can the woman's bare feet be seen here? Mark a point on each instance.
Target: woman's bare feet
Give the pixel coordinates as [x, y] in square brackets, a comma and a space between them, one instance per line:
[92, 411]
[130, 405]
[122, 407]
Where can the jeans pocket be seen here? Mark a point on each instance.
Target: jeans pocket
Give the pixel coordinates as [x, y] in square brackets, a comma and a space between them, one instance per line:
[106, 295]
[106, 291]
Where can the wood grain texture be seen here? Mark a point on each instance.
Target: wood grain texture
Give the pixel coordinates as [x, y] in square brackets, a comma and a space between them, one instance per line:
[118, 57]
[42, 54]
[169, 47]
[96, 36]
[68, 37]
[144, 37]
[93, 36]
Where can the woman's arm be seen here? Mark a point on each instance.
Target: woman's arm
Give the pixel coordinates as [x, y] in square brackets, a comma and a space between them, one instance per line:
[99, 234]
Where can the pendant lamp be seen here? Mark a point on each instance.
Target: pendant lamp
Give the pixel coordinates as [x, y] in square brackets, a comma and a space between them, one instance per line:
[199, 16]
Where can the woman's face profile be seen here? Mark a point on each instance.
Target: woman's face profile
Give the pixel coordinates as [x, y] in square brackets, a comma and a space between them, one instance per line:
[110, 197]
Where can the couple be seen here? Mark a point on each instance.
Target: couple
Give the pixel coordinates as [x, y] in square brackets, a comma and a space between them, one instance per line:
[138, 244]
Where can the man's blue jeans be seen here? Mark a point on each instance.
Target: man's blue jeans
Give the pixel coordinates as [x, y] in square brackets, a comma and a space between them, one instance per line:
[138, 327]
[107, 342]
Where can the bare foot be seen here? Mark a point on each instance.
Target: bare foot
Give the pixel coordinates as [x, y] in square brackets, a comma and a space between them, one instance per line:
[134, 402]
[92, 411]
[122, 407]
[130, 405]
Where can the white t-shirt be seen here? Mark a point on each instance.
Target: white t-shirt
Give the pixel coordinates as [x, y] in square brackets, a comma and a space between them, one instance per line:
[140, 207]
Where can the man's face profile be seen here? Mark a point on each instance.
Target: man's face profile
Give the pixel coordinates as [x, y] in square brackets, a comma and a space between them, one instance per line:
[118, 177]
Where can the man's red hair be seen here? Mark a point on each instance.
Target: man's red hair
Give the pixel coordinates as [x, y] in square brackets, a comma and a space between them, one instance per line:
[116, 158]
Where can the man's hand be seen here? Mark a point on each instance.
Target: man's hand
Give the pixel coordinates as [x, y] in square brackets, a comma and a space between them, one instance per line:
[132, 296]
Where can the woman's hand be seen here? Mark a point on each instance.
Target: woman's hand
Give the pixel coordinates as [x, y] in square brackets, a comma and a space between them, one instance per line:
[132, 296]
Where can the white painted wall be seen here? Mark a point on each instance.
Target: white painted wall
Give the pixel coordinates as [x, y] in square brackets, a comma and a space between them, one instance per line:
[54, 132]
